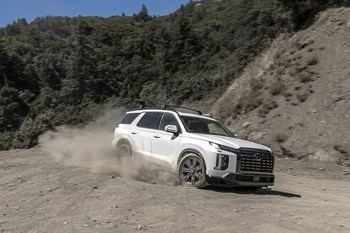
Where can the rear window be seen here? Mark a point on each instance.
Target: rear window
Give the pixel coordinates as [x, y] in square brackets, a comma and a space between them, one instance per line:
[150, 120]
[129, 118]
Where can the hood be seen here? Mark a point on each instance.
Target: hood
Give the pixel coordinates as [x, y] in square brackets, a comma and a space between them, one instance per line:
[228, 141]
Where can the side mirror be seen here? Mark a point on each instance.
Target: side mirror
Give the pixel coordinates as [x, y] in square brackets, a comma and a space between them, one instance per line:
[171, 129]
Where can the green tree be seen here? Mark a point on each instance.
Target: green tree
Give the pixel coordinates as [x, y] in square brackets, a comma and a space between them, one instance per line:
[12, 109]
[143, 14]
[81, 67]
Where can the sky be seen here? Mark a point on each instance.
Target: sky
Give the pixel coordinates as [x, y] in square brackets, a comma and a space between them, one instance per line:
[11, 10]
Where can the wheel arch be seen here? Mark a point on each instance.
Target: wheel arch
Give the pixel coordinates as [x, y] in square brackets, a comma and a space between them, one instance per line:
[189, 151]
[123, 141]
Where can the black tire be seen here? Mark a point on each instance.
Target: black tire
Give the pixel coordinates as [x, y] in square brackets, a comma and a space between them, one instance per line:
[124, 150]
[191, 171]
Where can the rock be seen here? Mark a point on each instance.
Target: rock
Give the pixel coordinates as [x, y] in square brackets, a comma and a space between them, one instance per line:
[246, 124]
[322, 155]
[139, 227]
[256, 136]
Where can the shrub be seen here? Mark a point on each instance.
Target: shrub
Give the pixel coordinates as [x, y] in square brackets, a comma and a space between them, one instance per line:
[256, 84]
[6, 139]
[303, 97]
[305, 76]
[312, 61]
[248, 102]
[277, 89]
[280, 137]
[12, 109]
[266, 107]
[299, 68]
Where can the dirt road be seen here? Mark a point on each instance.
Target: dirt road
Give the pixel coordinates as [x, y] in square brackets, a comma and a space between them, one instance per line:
[41, 195]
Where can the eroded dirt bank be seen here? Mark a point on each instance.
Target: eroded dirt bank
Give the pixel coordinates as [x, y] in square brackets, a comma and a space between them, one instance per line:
[41, 195]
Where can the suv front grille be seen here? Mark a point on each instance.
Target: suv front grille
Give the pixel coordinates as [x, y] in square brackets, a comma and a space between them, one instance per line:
[252, 160]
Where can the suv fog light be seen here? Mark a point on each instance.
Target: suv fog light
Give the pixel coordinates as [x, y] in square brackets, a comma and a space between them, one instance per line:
[221, 162]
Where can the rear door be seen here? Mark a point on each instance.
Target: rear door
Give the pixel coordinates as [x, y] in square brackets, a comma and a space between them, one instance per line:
[145, 130]
[164, 144]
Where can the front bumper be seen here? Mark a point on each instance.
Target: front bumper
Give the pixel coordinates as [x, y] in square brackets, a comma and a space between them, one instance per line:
[243, 179]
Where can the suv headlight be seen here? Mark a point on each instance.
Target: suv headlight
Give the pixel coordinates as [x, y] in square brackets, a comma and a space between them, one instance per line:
[222, 147]
[215, 145]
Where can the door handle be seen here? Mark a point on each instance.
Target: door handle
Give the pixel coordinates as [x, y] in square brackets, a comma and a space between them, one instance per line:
[133, 132]
[157, 136]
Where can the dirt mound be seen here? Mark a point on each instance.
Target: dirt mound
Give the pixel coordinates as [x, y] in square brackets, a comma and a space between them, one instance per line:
[296, 96]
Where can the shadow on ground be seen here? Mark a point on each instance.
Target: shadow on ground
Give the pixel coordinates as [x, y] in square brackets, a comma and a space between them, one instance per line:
[262, 191]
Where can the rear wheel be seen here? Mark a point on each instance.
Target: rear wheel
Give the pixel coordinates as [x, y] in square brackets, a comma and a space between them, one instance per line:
[124, 150]
[191, 171]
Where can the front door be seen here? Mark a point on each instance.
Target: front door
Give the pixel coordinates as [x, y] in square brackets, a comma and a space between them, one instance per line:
[165, 144]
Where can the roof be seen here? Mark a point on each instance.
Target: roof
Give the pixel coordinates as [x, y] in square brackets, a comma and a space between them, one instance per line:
[172, 111]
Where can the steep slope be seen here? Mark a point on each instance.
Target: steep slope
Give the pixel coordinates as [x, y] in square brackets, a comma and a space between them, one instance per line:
[296, 96]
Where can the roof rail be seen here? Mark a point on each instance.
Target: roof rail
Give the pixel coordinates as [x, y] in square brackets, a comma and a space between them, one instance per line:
[164, 107]
[145, 107]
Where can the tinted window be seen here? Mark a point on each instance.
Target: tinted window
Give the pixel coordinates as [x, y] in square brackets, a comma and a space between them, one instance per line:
[150, 120]
[129, 118]
[168, 119]
[205, 126]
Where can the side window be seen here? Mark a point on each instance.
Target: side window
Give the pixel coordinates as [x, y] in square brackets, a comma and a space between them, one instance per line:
[169, 119]
[150, 120]
[129, 118]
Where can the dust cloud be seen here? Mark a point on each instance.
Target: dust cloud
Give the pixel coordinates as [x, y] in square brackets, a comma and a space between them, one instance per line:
[91, 147]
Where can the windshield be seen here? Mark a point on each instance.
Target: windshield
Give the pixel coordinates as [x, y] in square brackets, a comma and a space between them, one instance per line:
[205, 126]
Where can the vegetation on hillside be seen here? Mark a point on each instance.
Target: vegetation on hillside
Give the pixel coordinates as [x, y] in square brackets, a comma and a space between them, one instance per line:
[58, 70]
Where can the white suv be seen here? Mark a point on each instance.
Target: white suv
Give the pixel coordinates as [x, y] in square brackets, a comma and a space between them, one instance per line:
[201, 149]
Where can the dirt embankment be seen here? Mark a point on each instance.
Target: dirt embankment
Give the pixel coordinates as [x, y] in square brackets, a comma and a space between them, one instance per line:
[296, 96]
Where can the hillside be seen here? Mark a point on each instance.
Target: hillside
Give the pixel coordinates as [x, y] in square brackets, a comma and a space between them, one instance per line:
[64, 71]
[295, 96]
[59, 70]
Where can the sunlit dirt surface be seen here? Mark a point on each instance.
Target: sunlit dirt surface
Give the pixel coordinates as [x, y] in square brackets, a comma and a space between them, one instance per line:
[39, 194]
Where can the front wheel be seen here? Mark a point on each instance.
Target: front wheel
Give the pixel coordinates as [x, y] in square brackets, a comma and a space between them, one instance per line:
[191, 171]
